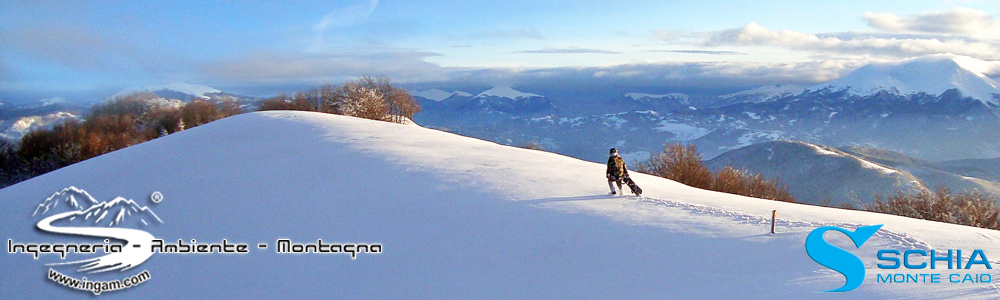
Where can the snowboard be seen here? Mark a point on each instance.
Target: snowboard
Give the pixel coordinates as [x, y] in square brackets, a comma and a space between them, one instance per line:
[631, 185]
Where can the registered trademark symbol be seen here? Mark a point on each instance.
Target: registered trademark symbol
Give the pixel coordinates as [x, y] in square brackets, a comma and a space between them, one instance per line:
[156, 197]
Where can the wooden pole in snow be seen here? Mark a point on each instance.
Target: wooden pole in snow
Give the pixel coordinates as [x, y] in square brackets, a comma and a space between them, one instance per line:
[774, 213]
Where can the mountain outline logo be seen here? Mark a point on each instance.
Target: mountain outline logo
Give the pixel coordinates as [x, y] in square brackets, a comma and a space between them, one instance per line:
[837, 259]
[72, 211]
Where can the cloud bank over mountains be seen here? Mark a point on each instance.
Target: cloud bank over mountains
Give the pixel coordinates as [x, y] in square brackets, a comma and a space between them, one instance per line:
[51, 52]
[828, 56]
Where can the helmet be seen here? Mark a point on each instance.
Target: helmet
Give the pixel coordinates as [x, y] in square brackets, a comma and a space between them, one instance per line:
[613, 152]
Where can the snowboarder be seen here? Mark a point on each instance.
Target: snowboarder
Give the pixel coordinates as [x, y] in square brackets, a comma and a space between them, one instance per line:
[618, 173]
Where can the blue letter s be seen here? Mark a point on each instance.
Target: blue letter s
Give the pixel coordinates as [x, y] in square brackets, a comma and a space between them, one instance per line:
[838, 259]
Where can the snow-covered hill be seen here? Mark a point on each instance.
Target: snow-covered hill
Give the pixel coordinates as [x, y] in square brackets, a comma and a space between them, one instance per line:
[815, 173]
[17, 120]
[176, 90]
[438, 95]
[505, 92]
[956, 175]
[185, 92]
[457, 217]
[764, 93]
[931, 74]
[15, 129]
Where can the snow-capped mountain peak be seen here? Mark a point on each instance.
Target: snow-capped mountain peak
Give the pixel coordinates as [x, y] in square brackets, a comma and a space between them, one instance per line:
[192, 90]
[931, 74]
[438, 95]
[505, 92]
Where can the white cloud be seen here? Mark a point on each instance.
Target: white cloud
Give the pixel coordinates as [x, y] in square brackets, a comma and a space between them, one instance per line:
[346, 16]
[705, 52]
[959, 22]
[317, 68]
[571, 50]
[712, 75]
[667, 35]
[408, 66]
[754, 34]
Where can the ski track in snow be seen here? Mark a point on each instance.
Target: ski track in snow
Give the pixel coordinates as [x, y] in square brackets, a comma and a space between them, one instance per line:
[896, 239]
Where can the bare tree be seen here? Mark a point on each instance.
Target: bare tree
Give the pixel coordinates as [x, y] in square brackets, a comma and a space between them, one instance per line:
[367, 97]
[360, 101]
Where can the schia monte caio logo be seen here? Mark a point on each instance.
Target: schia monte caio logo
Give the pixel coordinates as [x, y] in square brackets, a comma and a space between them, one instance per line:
[72, 212]
[919, 266]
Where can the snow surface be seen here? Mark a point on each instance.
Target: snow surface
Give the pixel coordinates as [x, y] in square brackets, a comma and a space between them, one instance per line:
[505, 92]
[438, 95]
[196, 90]
[932, 74]
[864, 162]
[458, 218]
[821, 151]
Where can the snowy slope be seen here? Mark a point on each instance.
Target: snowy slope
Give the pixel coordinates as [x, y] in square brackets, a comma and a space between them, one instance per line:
[505, 92]
[932, 74]
[458, 218]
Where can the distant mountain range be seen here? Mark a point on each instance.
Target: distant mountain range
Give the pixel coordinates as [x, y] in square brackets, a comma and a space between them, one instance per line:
[17, 120]
[881, 106]
[493, 105]
[188, 92]
[907, 126]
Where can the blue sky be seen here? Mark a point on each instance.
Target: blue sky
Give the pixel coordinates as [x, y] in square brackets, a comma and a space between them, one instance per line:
[92, 48]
